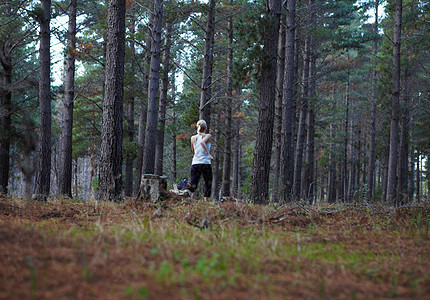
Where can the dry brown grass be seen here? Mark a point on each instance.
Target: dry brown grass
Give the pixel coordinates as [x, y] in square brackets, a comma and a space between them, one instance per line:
[184, 248]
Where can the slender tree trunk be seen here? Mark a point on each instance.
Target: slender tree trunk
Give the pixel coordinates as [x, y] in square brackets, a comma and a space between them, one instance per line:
[266, 112]
[154, 83]
[43, 178]
[206, 87]
[110, 181]
[331, 185]
[371, 168]
[287, 153]
[65, 180]
[345, 145]
[418, 180]
[402, 171]
[128, 189]
[394, 124]
[351, 139]
[384, 177]
[174, 132]
[5, 122]
[236, 159]
[411, 162]
[226, 168]
[300, 144]
[143, 114]
[310, 139]
[276, 193]
[216, 162]
[159, 153]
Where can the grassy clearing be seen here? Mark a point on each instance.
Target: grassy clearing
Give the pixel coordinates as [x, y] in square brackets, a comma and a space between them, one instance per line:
[186, 249]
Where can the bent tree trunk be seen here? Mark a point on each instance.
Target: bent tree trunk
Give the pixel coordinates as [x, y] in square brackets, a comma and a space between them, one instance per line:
[110, 182]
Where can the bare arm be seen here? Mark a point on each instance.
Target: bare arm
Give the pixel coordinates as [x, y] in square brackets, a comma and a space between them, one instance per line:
[192, 144]
[204, 141]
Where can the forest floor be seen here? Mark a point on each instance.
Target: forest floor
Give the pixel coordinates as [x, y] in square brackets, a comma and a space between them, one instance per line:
[190, 249]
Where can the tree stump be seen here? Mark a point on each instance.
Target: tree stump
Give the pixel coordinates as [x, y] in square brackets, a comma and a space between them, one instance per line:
[152, 188]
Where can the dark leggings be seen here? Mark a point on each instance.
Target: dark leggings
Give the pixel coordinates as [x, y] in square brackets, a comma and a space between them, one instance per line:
[196, 172]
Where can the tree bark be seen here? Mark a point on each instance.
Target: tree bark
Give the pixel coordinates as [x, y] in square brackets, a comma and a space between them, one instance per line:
[394, 124]
[216, 162]
[143, 115]
[331, 185]
[276, 193]
[266, 112]
[159, 153]
[65, 180]
[206, 87]
[300, 145]
[226, 168]
[110, 181]
[287, 152]
[5, 121]
[43, 178]
[371, 167]
[154, 83]
[402, 171]
[129, 160]
[310, 138]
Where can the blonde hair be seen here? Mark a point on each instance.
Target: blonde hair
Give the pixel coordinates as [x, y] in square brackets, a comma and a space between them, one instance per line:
[201, 126]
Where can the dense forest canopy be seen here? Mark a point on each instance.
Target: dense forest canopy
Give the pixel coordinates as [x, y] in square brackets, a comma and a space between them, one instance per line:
[305, 99]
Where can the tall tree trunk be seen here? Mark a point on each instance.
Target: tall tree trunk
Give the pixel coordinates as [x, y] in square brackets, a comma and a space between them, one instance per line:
[143, 114]
[216, 162]
[5, 115]
[266, 112]
[43, 178]
[411, 162]
[206, 87]
[402, 171]
[128, 189]
[226, 168]
[174, 132]
[5, 121]
[351, 139]
[276, 193]
[394, 124]
[236, 159]
[110, 181]
[310, 138]
[287, 167]
[345, 145]
[65, 180]
[236, 149]
[300, 144]
[331, 185]
[154, 83]
[159, 153]
[418, 179]
[371, 168]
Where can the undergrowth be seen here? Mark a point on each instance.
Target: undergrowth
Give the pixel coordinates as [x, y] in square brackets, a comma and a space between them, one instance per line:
[184, 248]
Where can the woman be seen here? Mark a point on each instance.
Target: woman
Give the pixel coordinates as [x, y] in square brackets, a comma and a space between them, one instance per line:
[201, 165]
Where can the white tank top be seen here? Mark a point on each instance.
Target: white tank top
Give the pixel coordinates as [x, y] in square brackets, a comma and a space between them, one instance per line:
[200, 156]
